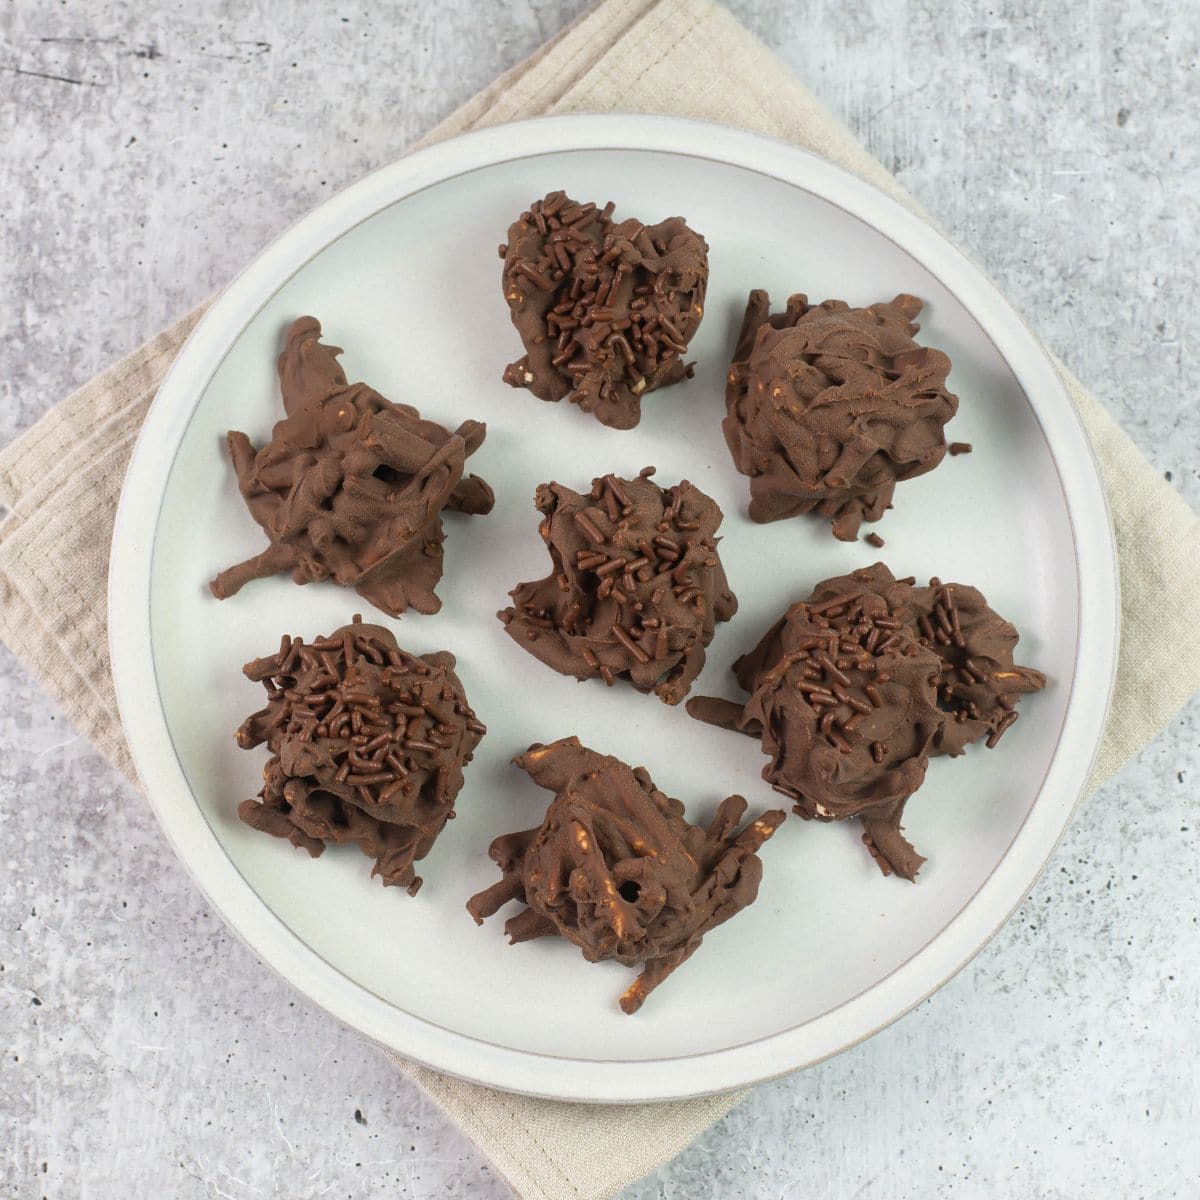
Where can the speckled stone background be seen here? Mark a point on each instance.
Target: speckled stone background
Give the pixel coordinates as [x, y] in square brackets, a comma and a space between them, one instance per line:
[146, 151]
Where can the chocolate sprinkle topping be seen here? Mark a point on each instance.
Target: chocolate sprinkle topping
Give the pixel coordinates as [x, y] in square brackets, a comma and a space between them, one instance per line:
[979, 683]
[635, 587]
[829, 407]
[615, 867]
[368, 743]
[351, 486]
[604, 309]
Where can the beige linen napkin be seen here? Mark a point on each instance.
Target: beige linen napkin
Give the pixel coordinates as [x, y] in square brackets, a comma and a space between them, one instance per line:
[61, 480]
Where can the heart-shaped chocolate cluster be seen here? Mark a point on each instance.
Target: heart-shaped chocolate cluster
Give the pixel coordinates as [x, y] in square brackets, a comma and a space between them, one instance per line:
[604, 309]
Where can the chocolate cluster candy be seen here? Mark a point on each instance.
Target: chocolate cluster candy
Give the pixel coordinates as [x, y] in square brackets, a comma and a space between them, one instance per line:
[368, 744]
[635, 588]
[829, 407]
[615, 868]
[604, 309]
[843, 698]
[855, 687]
[351, 487]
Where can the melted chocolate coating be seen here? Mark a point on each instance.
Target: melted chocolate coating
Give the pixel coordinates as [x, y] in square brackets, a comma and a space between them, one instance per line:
[351, 486]
[636, 585]
[829, 407]
[368, 745]
[855, 687]
[604, 310]
[615, 868]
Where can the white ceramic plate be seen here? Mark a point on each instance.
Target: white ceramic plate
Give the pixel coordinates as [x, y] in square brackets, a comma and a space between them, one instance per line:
[402, 271]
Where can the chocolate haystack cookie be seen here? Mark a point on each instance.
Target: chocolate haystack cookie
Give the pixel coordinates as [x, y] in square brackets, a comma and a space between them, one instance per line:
[843, 698]
[351, 486]
[636, 585]
[604, 309]
[615, 868]
[368, 745]
[829, 407]
[854, 689]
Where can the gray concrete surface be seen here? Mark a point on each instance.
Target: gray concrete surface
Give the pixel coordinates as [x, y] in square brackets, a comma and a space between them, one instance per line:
[146, 151]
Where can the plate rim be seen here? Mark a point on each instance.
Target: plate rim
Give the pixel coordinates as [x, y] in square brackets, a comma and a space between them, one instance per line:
[527, 1072]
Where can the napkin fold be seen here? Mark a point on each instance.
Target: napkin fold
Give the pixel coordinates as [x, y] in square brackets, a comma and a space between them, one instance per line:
[60, 482]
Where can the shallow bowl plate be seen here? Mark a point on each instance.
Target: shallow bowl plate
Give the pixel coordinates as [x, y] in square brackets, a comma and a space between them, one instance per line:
[402, 270]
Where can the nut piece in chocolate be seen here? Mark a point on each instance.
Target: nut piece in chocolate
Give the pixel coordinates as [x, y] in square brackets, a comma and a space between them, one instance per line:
[351, 487]
[604, 309]
[635, 588]
[368, 744]
[856, 687]
[615, 868]
[829, 407]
